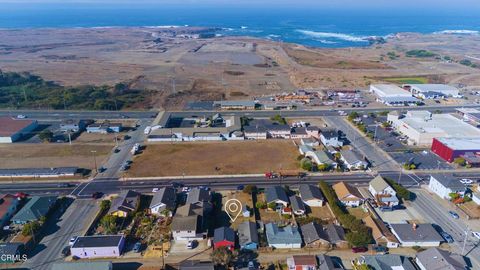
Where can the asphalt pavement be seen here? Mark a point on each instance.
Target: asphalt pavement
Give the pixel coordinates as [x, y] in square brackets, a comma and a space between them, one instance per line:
[62, 227]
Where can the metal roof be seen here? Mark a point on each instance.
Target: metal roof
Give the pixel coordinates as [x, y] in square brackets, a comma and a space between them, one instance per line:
[10, 126]
[469, 143]
[38, 171]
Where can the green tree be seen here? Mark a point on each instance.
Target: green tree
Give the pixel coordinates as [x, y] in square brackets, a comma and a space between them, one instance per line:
[105, 205]
[306, 164]
[323, 167]
[261, 205]
[386, 124]
[352, 116]
[109, 224]
[31, 228]
[45, 135]
[221, 256]
[250, 189]
[278, 118]
[272, 205]
[460, 161]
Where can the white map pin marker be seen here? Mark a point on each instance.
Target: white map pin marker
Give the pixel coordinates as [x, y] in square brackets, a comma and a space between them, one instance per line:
[233, 208]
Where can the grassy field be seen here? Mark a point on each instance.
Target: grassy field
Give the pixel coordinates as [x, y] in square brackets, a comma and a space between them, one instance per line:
[215, 158]
[417, 80]
[51, 155]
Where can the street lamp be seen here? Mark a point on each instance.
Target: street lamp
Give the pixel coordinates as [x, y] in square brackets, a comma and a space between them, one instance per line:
[95, 159]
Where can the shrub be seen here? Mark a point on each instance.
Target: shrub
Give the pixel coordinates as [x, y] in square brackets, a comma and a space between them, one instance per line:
[306, 164]
[261, 205]
[31, 228]
[272, 205]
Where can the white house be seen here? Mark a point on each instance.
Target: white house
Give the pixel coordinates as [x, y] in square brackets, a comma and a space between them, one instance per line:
[186, 228]
[311, 195]
[383, 192]
[443, 185]
[347, 194]
[255, 132]
[353, 160]
[321, 157]
[98, 246]
[164, 199]
[329, 137]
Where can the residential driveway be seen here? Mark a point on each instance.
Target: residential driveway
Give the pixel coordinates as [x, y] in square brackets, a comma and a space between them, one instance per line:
[181, 247]
[73, 222]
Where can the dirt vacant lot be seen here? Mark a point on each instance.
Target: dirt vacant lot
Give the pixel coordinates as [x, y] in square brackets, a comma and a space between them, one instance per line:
[51, 155]
[215, 158]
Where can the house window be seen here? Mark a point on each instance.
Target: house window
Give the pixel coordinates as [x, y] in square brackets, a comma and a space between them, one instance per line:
[189, 231]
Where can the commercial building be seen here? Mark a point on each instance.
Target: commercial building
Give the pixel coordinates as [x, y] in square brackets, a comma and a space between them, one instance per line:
[13, 129]
[443, 185]
[431, 91]
[422, 235]
[451, 148]
[99, 246]
[422, 126]
[39, 172]
[392, 95]
[235, 104]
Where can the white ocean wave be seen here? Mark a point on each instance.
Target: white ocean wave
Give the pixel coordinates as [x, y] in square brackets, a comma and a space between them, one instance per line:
[324, 41]
[458, 32]
[323, 35]
[162, 26]
[243, 27]
[227, 29]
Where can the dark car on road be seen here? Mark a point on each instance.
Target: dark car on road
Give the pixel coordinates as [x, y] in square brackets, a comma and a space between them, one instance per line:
[97, 195]
[66, 251]
[447, 237]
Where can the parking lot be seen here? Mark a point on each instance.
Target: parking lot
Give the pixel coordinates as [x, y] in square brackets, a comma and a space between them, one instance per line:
[424, 160]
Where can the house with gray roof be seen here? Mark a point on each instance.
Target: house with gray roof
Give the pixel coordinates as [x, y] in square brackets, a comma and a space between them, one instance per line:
[11, 248]
[284, 237]
[304, 149]
[277, 195]
[422, 235]
[336, 236]
[126, 203]
[163, 199]
[93, 265]
[311, 195]
[201, 197]
[312, 142]
[187, 228]
[224, 237]
[297, 205]
[196, 265]
[98, 246]
[35, 208]
[386, 262]
[314, 235]
[329, 137]
[248, 235]
[383, 193]
[438, 259]
[353, 160]
[443, 185]
[321, 157]
[326, 262]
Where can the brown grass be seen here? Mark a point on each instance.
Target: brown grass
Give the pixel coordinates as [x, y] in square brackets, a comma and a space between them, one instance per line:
[215, 158]
[51, 155]
[325, 59]
[321, 213]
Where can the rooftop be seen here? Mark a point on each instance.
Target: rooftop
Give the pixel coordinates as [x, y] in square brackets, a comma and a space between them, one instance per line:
[343, 190]
[288, 234]
[448, 181]
[247, 233]
[429, 87]
[310, 192]
[82, 265]
[297, 203]
[437, 259]
[35, 208]
[165, 196]
[188, 223]
[98, 241]
[38, 171]
[223, 234]
[453, 143]
[387, 262]
[379, 184]
[313, 232]
[275, 193]
[416, 233]
[387, 90]
[9, 126]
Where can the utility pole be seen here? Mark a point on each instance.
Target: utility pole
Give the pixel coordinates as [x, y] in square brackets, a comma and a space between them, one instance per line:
[69, 138]
[465, 240]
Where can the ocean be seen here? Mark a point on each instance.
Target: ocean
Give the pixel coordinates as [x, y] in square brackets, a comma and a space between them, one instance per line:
[317, 27]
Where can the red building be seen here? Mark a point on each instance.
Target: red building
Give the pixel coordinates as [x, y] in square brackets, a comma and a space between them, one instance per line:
[451, 148]
[224, 237]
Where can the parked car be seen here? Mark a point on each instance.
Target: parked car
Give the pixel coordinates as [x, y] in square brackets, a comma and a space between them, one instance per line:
[240, 187]
[251, 265]
[399, 207]
[63, 185]
[191, 244]
[66, 251]
[137, 247]
[102, 169]
[381, 250]
[21, 116]
[72, 240]
[155, 189]
[476, 234]
[447, 237]
[386, 209]
[453, 215]
[186, 189]
[177, 184]
[359, 249]
[116, 150]
[466, 181]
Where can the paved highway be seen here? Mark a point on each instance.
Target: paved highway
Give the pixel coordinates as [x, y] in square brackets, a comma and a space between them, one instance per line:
[61, 114]
[114, 185]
